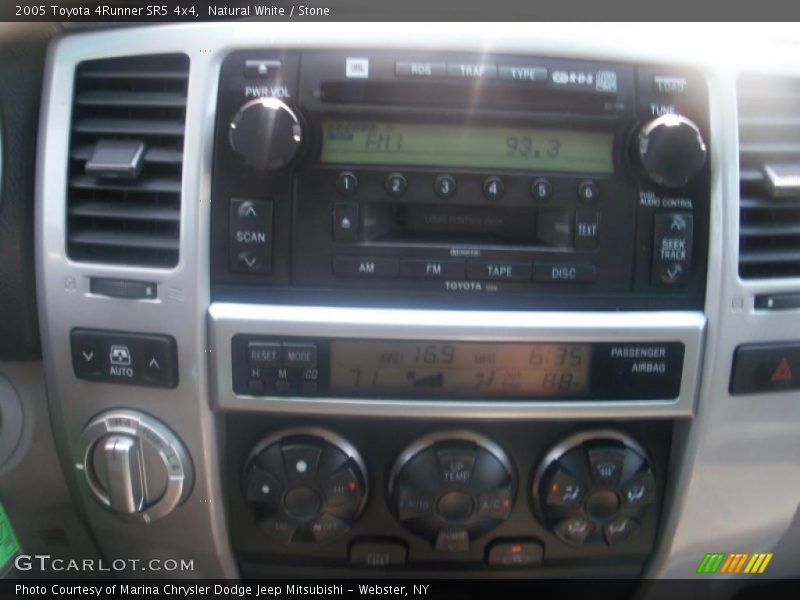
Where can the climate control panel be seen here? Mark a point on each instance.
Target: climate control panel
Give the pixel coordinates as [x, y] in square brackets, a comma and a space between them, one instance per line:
[387, 494]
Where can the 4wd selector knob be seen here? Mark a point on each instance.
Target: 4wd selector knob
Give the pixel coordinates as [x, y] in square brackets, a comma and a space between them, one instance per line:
[134, 465]
[266, 133]
[671, 150]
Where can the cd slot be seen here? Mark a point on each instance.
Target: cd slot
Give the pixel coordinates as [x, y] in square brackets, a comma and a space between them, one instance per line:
[441, 94]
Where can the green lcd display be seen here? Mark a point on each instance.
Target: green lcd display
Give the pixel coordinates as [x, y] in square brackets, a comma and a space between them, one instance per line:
[468, 146]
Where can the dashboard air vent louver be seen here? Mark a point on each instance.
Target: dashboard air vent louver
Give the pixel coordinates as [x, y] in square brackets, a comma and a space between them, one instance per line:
[769, 179]
[126, 158]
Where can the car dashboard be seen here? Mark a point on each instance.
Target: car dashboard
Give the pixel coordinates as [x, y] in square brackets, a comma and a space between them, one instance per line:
[496, 300]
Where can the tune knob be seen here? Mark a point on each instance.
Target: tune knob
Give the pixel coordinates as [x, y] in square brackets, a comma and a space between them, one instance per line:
[134, 465]
[671, 150]
[266, 133]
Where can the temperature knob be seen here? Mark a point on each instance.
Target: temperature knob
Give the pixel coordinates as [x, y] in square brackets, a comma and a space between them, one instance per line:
[266, 133]
[671, 150]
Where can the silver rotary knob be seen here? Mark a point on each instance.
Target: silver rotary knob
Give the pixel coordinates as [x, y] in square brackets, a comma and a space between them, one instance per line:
[135, 465]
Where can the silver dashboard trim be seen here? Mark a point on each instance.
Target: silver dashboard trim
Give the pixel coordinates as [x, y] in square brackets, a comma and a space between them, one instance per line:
[228, 319]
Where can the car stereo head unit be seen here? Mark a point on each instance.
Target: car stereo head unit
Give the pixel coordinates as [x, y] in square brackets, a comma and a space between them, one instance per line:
[459, 179]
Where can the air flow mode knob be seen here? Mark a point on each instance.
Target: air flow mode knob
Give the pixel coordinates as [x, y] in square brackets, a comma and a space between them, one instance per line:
[266, 133]
[671, 150]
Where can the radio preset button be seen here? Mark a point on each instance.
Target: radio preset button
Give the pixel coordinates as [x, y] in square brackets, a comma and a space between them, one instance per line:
[564, 273]
[493, 188]
[587, 224]
[499, 271]
[444, 186]
[588, 191]
[541, 189]
[345, 222]
[420, 69]
[432, 269]
[396, 184]
[523, 73]
[347, 183]
[351, 266]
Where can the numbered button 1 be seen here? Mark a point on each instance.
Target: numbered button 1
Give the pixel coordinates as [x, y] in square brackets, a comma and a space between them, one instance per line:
[444, 186]
[396, 184]
[493, 188]
[588, 191]
[347, 183]
[541, 189]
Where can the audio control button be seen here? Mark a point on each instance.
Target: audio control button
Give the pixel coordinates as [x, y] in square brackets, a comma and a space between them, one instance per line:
[444, 186]
[588, 192]
[587, 225]
[419, 268]
[396, 185]
[345, 222]
[493, 188]
[672, 248]
[351, 266]
[346, 183]
[499, 271]
[564, 273]
[541, 189]
[250, 236]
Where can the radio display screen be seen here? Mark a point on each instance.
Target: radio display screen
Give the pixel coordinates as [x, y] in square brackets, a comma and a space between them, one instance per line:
[459, 368]
[467, 146]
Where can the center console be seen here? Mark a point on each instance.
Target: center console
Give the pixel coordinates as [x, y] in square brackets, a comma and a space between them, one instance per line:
[386, 311]
[437, 280]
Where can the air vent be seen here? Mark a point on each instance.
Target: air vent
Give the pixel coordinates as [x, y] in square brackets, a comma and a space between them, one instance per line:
[126, 157]
[769, 180]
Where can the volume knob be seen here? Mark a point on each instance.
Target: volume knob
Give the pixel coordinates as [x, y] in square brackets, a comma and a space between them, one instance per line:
[671, 150]
[266, 133]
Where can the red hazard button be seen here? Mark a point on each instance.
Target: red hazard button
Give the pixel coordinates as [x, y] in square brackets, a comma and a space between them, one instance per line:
[759, 368]
[783, 372]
